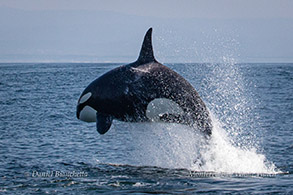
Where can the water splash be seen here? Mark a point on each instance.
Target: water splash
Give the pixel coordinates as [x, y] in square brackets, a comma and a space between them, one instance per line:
[227, 95]
[178, 146]
[222, 156]
[165, 145]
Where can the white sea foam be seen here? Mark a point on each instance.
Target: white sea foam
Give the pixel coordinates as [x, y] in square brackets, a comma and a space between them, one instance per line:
[178, 146]
[165, 145]
[223, 156]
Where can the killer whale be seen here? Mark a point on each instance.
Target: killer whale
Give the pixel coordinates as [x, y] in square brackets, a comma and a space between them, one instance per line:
[143, 91]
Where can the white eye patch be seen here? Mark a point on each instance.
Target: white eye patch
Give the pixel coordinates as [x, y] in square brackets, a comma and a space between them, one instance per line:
[85, 97]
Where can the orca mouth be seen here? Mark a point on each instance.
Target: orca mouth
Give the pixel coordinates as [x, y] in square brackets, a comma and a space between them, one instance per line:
[78, 109]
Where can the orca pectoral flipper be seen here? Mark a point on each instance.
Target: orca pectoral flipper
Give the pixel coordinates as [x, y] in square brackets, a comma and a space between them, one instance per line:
[103, 122]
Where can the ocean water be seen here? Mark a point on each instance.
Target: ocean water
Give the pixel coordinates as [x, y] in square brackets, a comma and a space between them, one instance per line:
[45, 149]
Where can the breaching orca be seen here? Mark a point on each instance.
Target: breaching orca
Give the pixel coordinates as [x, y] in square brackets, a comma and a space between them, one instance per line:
[143, 91]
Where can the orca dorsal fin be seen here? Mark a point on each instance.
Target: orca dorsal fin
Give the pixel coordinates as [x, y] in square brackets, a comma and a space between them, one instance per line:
[146, 53]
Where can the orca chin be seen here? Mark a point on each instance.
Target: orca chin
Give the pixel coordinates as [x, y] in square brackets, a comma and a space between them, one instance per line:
[143, 91]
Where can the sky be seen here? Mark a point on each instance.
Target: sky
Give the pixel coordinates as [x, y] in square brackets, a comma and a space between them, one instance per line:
[112, 30]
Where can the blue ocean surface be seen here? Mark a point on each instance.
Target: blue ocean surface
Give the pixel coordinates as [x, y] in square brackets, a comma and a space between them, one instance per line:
[44, 148]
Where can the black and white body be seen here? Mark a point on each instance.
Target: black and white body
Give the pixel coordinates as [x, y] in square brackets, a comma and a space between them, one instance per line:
[143, 91]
